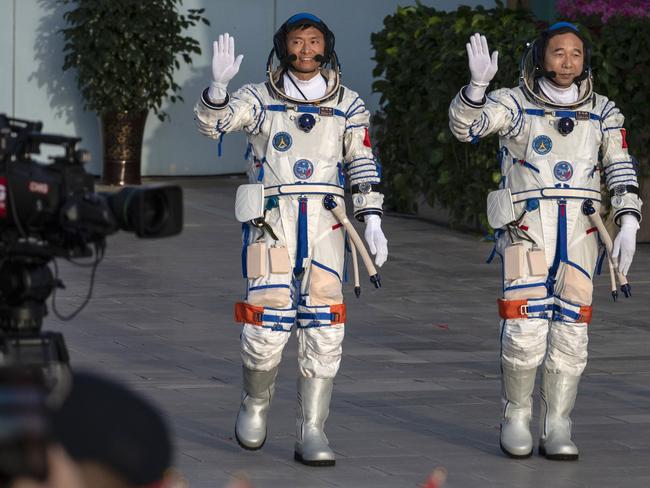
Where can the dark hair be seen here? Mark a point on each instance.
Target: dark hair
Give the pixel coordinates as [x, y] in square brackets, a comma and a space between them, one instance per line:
[302, 21]
[105, 422]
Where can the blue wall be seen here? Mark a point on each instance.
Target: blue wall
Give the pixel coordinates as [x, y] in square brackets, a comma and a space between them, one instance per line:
[33, 86]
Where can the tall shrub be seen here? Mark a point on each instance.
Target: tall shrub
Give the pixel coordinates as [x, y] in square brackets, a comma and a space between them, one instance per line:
[126, 52]
[421, 65]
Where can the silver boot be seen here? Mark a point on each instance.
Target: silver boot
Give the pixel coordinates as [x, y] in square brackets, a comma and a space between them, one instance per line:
[517, 388]
[312, 446]
[558, 398]
[250, 429]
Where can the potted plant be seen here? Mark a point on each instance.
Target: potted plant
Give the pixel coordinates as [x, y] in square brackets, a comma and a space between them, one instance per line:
[125, 53]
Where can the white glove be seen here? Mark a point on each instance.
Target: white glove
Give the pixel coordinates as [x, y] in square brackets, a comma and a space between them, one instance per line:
[224, 66]
[625, 242]
[481, 65]
[377, 242]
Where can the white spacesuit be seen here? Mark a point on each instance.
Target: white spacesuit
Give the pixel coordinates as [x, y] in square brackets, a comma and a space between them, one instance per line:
[307, 136]
[550, 135]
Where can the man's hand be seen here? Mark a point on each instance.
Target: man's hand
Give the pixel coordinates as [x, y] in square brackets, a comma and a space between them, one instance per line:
[481, 66]
[377, 242]
[224, 65]
[625, 242]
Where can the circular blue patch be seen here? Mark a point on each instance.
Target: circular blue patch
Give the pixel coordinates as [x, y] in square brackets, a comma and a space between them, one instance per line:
[282, 141]
[563, 171]
[542, 144]
[306, 122]
[303, 169]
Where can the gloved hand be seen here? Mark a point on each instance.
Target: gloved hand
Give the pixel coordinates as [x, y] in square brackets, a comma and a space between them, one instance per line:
[377, 242]
[224, 66]
[481, 66]
[625, 242]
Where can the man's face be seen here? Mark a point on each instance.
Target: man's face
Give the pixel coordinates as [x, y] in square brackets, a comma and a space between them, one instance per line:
[565, 55]
[305, 44]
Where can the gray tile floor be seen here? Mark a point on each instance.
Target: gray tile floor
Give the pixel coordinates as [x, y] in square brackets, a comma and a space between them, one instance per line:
[419, 383]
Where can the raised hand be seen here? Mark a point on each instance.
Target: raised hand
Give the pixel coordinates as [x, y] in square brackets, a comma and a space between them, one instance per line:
[482, 66]
[224, 64]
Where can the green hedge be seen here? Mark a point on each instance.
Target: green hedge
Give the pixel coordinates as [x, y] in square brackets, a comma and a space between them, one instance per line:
[421, 65]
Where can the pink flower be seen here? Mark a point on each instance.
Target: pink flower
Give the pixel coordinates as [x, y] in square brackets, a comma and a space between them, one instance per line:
[604, 9]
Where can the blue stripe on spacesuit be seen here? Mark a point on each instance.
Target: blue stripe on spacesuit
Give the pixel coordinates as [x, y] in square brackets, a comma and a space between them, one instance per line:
[358, 110]
[258, 117]
[351, 105]
[526, 164]
[326, 268]
[305, 109]
[245, 233]
[599, 264]
[579, 268]
[604, 115]
[264, 287]
[562, 231]
[526, 285]
[315, 315]
[347, 165]
[613, 128]
[560, 247]
[346, 257]
[474, 134]
[339, 168]
[559, 310]
[611, 165]
[539, 308]
[302, 244]
[362, 165]
[277, 318]
[626, 177]
[220, 141]
[369, 174]
[616, 170]
[516, 121]
[559, 113]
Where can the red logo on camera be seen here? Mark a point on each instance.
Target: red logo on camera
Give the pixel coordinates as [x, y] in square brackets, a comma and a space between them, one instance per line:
[3, 197]
[38, 187]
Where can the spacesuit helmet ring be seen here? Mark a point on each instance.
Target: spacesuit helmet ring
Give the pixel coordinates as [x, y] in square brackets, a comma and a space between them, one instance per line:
[531, 67]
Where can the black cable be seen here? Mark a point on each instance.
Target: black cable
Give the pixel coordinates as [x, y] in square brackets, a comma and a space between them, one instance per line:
[100, 248]
[297, 87]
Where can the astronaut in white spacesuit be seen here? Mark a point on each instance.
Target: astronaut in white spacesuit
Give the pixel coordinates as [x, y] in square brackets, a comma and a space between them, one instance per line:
[307, 135]
[551, 129]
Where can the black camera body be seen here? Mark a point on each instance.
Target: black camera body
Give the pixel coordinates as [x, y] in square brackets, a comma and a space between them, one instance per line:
[47, 211]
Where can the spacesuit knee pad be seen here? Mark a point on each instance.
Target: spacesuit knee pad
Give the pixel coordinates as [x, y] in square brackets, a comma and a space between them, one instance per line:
[272, 296]
[575, 286]
[567, 348]
[320, 334]
[523, 342]
[324, 287]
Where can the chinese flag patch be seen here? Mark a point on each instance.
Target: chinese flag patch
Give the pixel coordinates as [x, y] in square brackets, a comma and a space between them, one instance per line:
[623, 139]
[367, 143]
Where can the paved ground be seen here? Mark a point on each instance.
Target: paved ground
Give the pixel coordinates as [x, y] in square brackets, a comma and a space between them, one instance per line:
[419, 383]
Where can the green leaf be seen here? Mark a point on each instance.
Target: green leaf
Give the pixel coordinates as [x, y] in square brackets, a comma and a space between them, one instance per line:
[115, 46]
